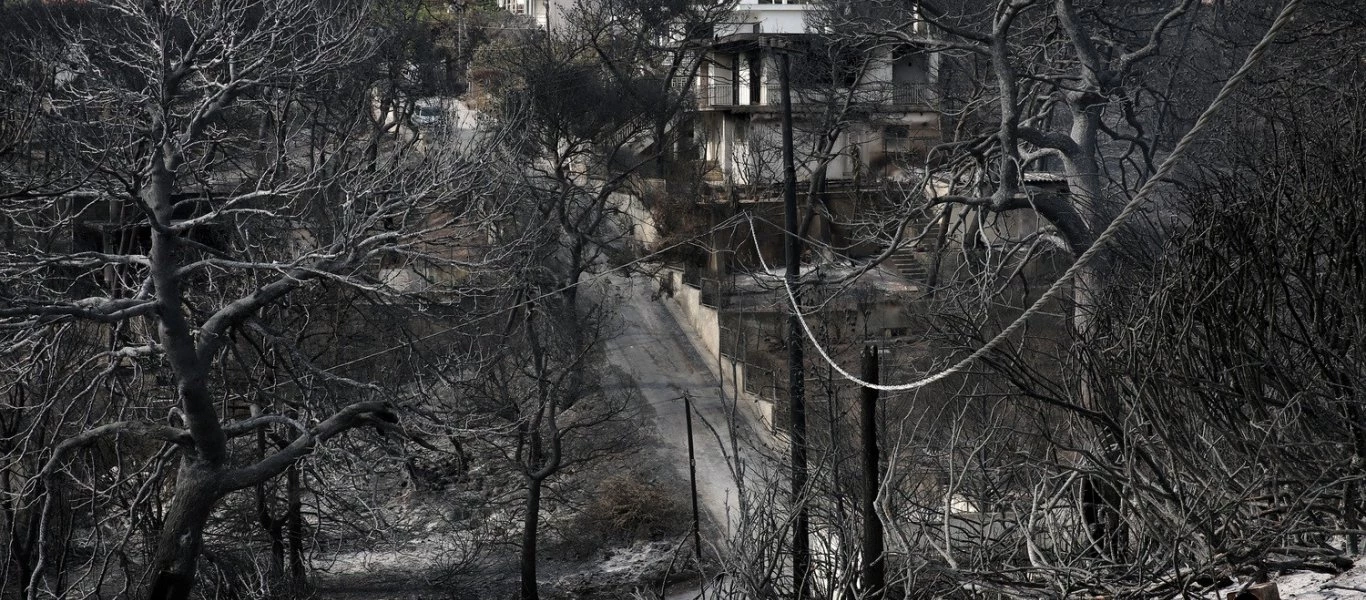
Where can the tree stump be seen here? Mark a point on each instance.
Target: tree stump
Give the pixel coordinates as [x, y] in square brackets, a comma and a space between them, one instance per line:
[1257, 591]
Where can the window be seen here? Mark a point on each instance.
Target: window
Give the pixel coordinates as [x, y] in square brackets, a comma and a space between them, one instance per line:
[700, 31]
[896, 138]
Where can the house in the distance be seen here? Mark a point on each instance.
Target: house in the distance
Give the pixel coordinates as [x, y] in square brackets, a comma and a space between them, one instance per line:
[882, 102]
[865, 116]
[546, 13]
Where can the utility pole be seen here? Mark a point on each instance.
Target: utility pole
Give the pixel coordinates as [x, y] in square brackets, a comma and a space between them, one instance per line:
[692, 479]
[801, 549]
[874, 569]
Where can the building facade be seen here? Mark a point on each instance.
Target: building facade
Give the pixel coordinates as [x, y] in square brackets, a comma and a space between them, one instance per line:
[546, 13]
[880, 104]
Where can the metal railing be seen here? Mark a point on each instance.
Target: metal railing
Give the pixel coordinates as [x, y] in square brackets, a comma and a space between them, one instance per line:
[692, 276]
[799, 96]
[897, 94]
[913, 94]
[717, 94]
[713, 292]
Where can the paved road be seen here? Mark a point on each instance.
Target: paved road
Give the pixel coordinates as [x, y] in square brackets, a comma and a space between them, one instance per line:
[654, 349]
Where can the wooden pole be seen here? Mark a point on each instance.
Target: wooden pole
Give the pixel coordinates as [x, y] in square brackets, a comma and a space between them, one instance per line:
[692, 479]
[801, 549]
[874, 569]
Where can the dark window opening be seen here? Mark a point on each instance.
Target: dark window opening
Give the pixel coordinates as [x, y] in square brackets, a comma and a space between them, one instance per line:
[756, 71]
[896, 138]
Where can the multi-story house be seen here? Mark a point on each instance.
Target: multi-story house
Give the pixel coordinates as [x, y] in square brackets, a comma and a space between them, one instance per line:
[865, 116]
[544, 12]
[880, 104]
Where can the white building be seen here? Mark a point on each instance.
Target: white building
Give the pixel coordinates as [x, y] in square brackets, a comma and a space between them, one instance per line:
[546, 13]
[738, 94]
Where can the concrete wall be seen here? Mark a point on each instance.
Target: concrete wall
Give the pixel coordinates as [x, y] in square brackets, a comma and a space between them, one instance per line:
[882, 318]
[733, 379]
[641, 221]
[705, 323]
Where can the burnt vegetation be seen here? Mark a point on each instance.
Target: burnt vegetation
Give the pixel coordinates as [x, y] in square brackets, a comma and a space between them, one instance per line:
[305, 298]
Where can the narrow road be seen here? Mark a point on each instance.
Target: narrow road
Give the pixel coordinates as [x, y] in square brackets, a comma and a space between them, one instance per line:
[653, 348]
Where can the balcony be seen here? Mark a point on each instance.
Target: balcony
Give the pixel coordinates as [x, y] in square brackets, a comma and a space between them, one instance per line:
[718, 94]
[893, 95]
[917, 95]
[898, 95]
[774, 95]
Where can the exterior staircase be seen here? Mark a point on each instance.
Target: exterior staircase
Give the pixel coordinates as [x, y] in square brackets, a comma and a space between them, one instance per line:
[912, 260]
[911, 264]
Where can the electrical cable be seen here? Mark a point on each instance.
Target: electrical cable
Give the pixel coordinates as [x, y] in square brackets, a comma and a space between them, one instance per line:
[1282, 21]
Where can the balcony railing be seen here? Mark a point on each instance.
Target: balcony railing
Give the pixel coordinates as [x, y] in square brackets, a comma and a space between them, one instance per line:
[717, 94]
[919, 95]
[799, 96]
[905, 95]
[913, 94]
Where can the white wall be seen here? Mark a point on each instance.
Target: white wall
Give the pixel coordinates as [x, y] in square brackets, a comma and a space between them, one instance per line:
[773, 18]
[704, 321]
[642, 222]
[546, 13]
[706, 325]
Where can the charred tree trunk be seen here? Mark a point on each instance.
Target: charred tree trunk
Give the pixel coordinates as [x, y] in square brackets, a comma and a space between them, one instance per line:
[295, 523]
[1351, 493]
[197, 483]
[182, 531]
[273, 526]
[796, 369]
[874, 568]
[1101, 501]
[529, 533]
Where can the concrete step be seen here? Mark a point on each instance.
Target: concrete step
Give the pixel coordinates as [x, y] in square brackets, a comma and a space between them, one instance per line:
[914, 228]
[911, 263]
